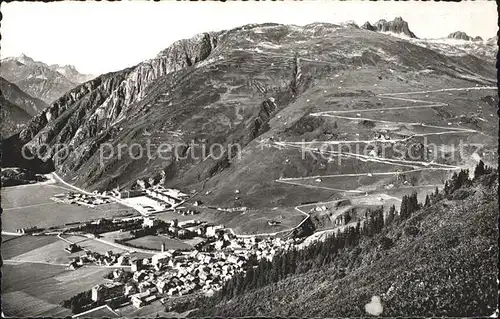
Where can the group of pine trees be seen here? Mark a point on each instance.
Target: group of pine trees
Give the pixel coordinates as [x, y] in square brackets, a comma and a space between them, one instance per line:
[409, 205]
[296, 261]
[323, 253]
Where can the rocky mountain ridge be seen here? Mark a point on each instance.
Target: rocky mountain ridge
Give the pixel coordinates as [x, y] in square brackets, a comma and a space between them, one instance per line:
[398, 26]
[460, 35]
[71, 73]
[470, 45]
[38, 79]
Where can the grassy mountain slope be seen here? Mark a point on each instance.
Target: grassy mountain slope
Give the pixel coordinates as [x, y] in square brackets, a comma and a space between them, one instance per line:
[219, 87]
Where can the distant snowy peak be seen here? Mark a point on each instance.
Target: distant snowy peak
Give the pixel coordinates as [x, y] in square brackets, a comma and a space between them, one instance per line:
[397, 26]
[460, 35]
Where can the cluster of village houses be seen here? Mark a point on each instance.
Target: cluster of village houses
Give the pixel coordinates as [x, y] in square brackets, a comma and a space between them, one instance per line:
[182, 230]
[174, 273]
[108, 259]
[27, 230]
[81, 199]
[170, 273]
[164, 198]
[185, 229]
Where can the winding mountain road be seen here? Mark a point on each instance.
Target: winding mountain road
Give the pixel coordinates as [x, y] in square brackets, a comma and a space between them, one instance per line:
[417, 166]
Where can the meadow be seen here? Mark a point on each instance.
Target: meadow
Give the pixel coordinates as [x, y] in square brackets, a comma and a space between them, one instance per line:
[24, 244]
[252, 221]
[154, 242]
[27, 206]
[35, 290]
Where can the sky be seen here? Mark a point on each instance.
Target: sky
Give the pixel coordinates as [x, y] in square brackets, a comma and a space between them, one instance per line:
[100, 37]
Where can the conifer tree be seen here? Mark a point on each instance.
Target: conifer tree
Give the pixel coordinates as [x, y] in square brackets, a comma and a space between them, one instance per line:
[480, 169]
[427, 201]
[403, 212]
[391, 215]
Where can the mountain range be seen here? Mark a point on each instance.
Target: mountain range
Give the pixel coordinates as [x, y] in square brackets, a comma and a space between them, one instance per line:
[248, 86]
[40, 80]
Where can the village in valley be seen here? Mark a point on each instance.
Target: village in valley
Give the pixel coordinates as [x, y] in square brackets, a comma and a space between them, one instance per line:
[283, 163]
[151, 259]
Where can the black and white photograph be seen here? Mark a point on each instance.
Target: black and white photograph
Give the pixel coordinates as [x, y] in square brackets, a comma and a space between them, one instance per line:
[308, 159]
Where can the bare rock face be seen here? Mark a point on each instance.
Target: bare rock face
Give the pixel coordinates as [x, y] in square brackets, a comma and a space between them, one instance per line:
[492, 40]
[35, 78]
[398, 25]
[94, 106]
[368, 26]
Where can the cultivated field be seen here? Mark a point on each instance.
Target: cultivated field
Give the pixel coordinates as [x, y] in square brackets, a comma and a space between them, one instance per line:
[154, 242]
[25, 244]
[99, 247]
[35, 290]
[100, 313]
[31, 205]
[114, 235]
[148, 311]
[50, 249]
[52, 253]
[247, 222]
[8, 237]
